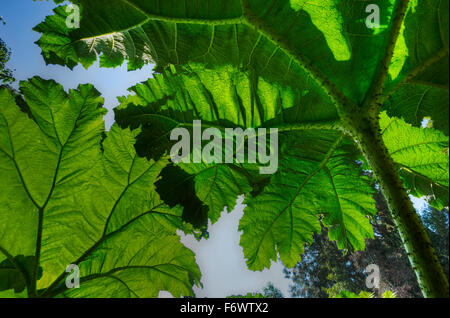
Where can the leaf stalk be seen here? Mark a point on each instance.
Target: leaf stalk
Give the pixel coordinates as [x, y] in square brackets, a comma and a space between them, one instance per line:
[421, 254]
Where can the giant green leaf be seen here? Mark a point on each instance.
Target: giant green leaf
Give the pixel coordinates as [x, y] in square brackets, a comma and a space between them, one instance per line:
[311, 68]
[70, 197]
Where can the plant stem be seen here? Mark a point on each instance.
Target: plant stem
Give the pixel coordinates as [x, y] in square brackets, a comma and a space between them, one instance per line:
[423, 258]
[375, 94]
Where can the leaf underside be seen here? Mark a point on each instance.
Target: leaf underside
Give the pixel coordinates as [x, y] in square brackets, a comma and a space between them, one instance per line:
[80, 199]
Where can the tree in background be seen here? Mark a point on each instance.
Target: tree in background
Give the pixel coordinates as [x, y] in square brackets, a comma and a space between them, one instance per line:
[323, 268]
[270, 291]
[325, 271]
[388, 253]
[6, 75]
[437, 223]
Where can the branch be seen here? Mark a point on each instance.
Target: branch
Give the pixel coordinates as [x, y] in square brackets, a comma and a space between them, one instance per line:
[374, 95]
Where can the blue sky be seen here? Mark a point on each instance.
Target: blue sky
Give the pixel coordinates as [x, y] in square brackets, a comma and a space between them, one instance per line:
[220, 258]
